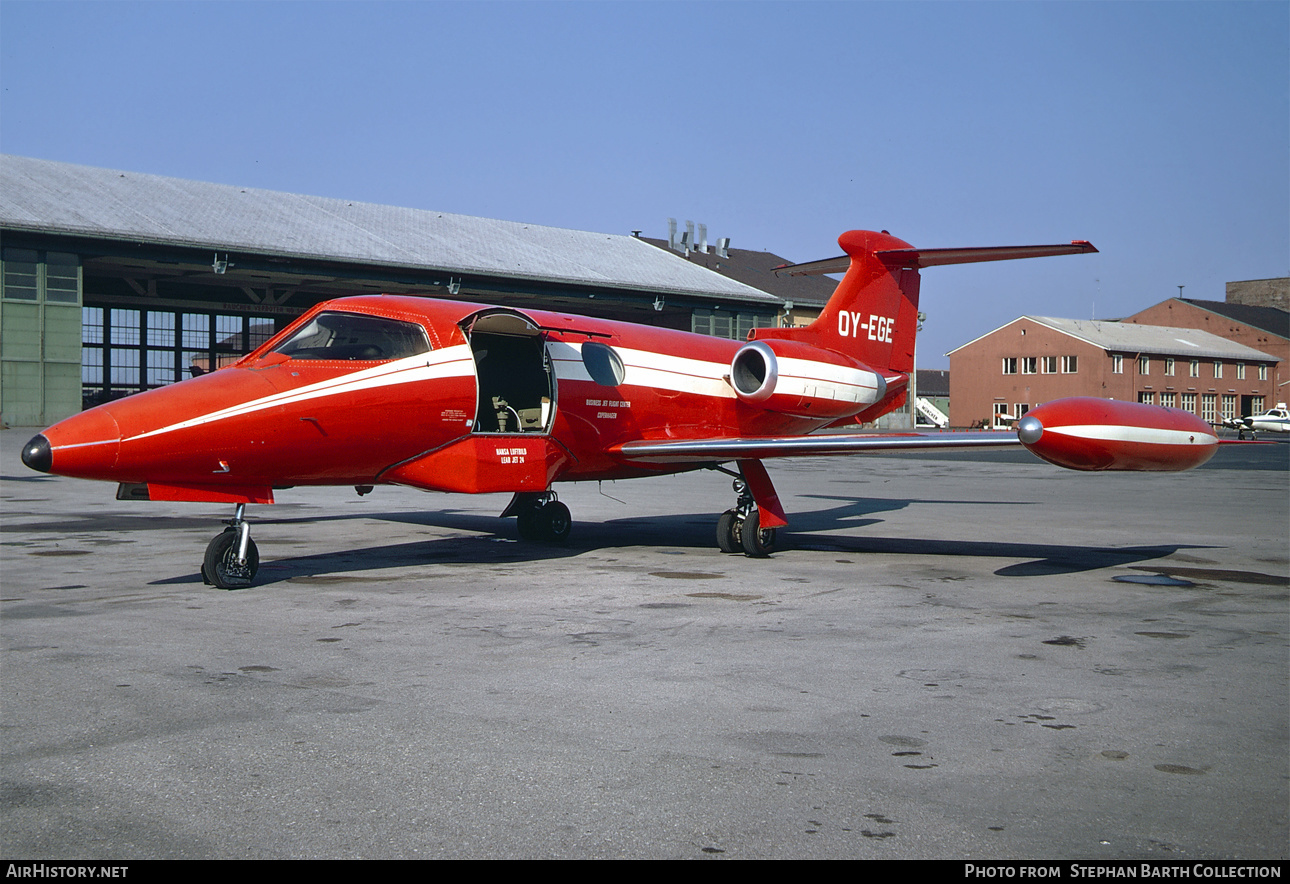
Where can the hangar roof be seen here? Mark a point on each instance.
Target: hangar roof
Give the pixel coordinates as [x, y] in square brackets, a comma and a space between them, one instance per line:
[42, 196]
[1128, 337]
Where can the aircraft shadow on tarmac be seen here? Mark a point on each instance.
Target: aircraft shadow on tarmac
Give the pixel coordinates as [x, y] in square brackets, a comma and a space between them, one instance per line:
[488, 541]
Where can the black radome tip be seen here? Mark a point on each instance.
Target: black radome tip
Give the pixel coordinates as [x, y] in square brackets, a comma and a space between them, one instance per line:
[37, 455]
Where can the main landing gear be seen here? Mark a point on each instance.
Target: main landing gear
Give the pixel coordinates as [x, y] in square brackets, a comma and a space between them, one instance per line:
[232, 558]
[739, 529]
[540, 516]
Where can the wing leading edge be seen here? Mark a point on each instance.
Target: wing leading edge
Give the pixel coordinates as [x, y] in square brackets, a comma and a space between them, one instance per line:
[756, 448]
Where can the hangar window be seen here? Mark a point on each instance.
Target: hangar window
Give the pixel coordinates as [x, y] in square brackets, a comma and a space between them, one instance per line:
[355, 337]
[20, 274]
[603, 364]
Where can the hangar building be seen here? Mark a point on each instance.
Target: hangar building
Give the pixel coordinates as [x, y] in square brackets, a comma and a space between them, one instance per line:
[113, 282]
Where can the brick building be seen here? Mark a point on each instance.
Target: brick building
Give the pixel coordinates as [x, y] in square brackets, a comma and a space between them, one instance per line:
[1262, 328]
[1033, 359]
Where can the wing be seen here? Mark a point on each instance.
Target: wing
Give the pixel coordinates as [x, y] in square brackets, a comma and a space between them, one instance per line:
[667, 451]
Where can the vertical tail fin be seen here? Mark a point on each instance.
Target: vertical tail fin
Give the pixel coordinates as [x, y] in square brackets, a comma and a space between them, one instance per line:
[873, 313]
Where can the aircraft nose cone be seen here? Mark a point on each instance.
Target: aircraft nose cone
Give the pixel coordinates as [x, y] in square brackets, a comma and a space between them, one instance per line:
[36, 454]
[1029, 429]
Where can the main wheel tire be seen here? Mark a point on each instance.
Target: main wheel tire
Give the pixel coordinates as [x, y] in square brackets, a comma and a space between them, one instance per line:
[220, 567]
[758, 542]
[728, 532]
[554, 522]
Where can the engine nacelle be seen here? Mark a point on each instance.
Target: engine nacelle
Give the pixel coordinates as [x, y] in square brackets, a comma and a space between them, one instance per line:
[790, 377]
[1083, 433]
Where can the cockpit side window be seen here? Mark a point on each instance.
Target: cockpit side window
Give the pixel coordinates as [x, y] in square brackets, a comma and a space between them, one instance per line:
[355, 337]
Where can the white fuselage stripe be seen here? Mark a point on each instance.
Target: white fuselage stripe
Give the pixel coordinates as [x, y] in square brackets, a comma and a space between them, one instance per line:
[455, 361]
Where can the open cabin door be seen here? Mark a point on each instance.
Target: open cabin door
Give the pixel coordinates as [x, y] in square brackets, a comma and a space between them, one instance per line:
[514, 378]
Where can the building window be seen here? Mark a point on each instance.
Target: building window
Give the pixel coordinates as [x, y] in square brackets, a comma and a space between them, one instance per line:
[1049, 364]
[1144, 365]
[21, 270]
[1189, 402]
[1218, 369]
[723, 324]
[1240, 371]
[1010, 365]
[1169, 367]
[1229, 406]
[29, 273]
[1263, 372]
[1019, 409]
[124, 351]
[1208, 407]
[1194, 370]
[1117, 365]
[1146, 398]
[1029, 364]
[62, 278]
[1001, 415]
[1256, 405]
[1070, 364]
[1169, 400]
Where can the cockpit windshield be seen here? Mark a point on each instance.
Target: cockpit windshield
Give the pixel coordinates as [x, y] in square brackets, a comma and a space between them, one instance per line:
[355, 336]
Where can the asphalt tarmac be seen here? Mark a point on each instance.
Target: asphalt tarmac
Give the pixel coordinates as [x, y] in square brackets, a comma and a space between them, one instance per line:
[968, 657]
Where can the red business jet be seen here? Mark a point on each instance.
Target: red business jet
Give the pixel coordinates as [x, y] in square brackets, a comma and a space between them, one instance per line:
[448, 396]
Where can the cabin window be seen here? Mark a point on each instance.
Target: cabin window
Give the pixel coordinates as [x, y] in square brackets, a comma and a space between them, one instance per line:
[355, 337]
[603, 364]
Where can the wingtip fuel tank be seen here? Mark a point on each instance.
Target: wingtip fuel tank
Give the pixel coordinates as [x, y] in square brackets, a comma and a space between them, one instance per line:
[1084, 433]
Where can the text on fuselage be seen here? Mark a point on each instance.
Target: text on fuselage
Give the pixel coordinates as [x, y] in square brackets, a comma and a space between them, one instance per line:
[878, 328]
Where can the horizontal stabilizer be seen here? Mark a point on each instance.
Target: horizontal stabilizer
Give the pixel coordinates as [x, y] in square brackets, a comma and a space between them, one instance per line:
[919, 258]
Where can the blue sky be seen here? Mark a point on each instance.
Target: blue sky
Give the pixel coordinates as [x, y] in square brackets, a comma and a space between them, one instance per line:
[1159, 131]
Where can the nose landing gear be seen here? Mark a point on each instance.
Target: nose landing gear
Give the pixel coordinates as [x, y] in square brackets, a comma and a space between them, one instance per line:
[232, 558]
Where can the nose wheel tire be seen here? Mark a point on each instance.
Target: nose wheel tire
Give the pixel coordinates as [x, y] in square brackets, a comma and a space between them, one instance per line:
[221, 568]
